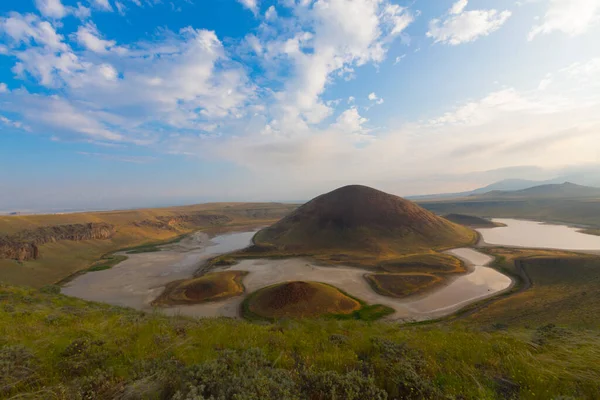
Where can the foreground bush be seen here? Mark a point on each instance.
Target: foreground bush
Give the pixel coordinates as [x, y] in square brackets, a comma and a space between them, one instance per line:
[55, 347]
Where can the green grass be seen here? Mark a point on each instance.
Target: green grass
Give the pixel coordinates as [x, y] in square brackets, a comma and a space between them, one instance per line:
[401, 285]
[57, 347]
[366, 312]
[62, 259]
[565, 290]
[590, 231]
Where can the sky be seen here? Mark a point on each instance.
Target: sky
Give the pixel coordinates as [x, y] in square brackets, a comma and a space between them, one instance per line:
[134, 103]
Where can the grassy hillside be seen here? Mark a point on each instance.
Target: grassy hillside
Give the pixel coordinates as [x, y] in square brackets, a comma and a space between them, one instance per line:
[133, 228]
[55, 347]
[565, 290]
[583, 211]
[358, 218]
[471, 221]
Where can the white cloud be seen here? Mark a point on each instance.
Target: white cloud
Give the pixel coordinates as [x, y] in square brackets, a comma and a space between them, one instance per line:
[350, 122]
[399, 58]
[459, 6]
[335, 37]
[3, 87]
[184, 81]
[120, 7]
[103, 5]
[351, 99]
[251, 5]
[461, 26]
[9, 122]
[25, 29]
[271, 14]
[89, 37]
[51, 8]
[572, 17]
[81, 11]
[373, 97]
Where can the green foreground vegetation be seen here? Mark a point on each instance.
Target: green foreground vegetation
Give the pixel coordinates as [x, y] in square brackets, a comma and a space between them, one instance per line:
[56, 347]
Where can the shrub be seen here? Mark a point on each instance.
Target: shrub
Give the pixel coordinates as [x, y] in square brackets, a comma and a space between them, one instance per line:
[50, 289]
[239, 375]
[330, 385]
[401, 370]
[82, 356]
[18, 367]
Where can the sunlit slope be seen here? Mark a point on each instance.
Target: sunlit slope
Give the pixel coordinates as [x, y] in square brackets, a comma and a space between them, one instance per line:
[132, 227]
[361, 219]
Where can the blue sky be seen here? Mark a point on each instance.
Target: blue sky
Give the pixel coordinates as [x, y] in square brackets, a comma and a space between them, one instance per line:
[107, 103]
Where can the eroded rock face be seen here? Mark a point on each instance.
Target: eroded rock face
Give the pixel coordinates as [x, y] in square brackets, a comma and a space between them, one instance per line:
[24, 245]
[174, 222]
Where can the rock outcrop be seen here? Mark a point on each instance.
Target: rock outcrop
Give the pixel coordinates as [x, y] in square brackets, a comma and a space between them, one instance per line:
[174, 223]
[24, 245]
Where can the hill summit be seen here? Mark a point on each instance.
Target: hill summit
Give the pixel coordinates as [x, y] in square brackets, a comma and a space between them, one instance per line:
[360, 218]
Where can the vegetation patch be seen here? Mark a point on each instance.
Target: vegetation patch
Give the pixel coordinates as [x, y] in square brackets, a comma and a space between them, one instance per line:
[590, 231]
[565, 289]
[424, 262]
[401, 285]
[106, 262]
[213, 286]
[298, 300]
[99, 351]
[472, 221]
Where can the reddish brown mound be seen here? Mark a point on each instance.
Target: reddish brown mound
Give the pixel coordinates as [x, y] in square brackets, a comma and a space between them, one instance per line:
[402, 285]
[300, 299]
[361, 218]
[210, 287]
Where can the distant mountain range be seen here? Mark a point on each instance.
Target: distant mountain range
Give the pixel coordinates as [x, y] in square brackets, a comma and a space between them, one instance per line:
[520, 188]
[564, 190]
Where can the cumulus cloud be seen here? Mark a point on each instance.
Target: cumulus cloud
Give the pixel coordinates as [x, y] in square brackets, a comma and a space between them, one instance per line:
[103, 5]
[373, 97]
[461, 26]
[51, 8]
[3, 87]
[332, 38]
[184, 81]
[572, 17]
[493, 132]
[271, 13]
[251, 5]
[89, 37]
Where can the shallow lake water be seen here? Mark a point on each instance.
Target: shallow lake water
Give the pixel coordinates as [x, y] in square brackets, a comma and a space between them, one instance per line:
[532, 234]
[142, 277]
[137, 281]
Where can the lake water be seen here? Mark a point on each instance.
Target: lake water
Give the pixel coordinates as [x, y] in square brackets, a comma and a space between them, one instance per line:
[137, 281]
[532, 234]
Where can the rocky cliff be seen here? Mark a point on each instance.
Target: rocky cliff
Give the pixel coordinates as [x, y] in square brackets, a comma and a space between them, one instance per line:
[177, 222]
[24, 245]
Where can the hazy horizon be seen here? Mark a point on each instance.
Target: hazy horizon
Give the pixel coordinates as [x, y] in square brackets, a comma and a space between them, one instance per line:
[140, 103]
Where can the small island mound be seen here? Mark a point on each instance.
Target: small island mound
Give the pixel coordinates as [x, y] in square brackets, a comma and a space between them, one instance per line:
[299, 299]
[210, 287]
[402, 285]
[359, 219]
